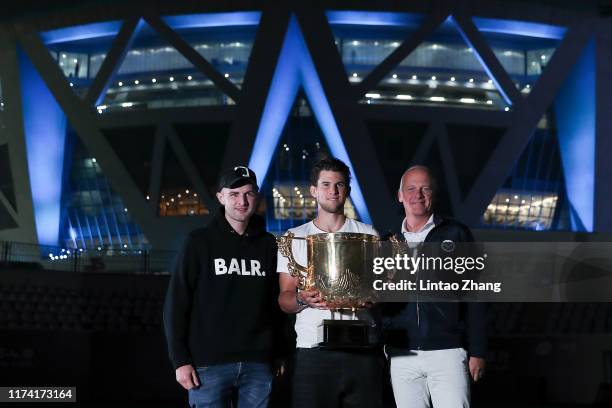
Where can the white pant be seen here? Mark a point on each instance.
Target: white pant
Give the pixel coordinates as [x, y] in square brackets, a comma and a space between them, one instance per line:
[438, 378]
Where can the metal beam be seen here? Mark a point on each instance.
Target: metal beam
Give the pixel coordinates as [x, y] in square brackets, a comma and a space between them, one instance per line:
[420, 155]
[83, 120]
[157, 164]
[110, 120]
[449, 167]
[13, 133]
[193, 56]
[257, 80]
[525, 120]
[353, 130]
[415, 113]
[9, 208]
[431, 23]
[112, 62]
[189, 167]
[603, 164]
[491, 64]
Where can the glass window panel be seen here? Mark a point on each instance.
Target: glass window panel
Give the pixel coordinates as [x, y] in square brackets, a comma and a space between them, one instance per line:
[365, 39]
[442, 71]
[92, 209]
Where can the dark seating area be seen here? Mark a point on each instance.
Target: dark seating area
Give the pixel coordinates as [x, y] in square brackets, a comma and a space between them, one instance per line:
[122, 306]
[99, 332]
[550, 319]
[103, 334]
[55, 308]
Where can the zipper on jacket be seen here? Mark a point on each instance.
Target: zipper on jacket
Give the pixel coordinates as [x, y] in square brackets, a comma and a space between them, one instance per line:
[415, 253]
[418, 309]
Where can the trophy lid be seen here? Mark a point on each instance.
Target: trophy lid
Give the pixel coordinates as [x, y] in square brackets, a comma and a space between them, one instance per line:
[342, 237]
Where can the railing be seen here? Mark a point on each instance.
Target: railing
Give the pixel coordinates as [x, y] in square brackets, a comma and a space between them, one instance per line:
[104, 259]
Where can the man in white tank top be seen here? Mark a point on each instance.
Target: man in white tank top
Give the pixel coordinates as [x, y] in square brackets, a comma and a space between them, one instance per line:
[327, 378]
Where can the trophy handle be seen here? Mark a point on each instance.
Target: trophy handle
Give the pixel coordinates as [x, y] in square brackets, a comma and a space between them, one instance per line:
[398, 248]
[395, 242]
[295, 269]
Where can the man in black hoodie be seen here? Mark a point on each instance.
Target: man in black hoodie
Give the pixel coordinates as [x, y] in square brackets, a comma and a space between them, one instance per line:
[220, 314]
[434, 347]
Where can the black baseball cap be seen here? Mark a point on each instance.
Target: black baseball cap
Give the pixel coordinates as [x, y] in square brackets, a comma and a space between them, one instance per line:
[237, 176]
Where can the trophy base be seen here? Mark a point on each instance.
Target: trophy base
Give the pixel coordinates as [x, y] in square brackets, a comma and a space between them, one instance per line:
[346, 335]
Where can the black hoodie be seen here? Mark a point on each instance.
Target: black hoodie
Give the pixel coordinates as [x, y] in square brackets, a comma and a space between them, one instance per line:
[221, 305]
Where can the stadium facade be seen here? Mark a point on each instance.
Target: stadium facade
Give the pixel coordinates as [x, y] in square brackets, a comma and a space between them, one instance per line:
[115, 121]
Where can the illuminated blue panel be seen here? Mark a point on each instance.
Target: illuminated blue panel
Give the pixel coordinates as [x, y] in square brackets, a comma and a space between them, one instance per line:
[510, 27]
[111, 28]
[281, 95]
[320, 107]
[82, 32]
[295, 67]
[45, 132]
[243, 18]
[522, 28]
[100, 97]
[575, 114]
[373, 18]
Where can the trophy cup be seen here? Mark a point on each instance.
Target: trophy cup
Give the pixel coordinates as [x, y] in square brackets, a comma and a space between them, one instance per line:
[340, 268]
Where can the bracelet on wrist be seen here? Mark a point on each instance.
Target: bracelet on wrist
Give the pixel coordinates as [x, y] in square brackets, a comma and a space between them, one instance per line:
[299, 301]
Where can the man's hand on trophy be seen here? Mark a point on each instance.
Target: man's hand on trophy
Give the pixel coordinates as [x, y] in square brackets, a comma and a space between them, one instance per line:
[312, 298]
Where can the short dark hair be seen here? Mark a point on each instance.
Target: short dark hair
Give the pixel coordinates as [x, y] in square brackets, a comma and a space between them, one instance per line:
[329, 164]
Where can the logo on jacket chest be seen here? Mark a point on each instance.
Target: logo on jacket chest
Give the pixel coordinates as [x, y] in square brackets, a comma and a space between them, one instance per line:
[245, 267]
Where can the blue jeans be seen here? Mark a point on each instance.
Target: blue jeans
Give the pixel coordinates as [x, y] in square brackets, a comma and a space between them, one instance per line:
[252, 381]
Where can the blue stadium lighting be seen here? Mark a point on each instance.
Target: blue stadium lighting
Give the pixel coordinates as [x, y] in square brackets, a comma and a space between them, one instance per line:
[508, 27]
[282, 93]
[111, 28]
[45, 132]
[575, 115]
[243, 18]
[295, 68]
[82, 32]
[371, 18]
[522, 28]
